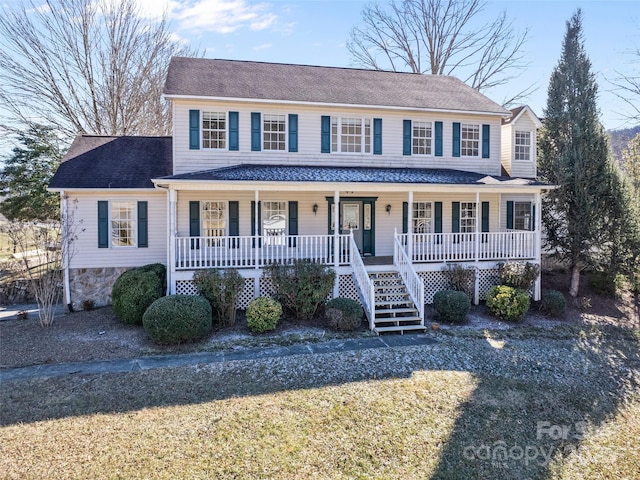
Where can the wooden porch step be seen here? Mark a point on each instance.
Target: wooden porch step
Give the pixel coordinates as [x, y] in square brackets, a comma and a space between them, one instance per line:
[399, 328]
[393, 302]
[396, 310]
[412, 318]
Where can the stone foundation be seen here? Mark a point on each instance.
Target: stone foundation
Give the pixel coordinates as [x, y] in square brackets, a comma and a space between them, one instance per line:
[93, 284]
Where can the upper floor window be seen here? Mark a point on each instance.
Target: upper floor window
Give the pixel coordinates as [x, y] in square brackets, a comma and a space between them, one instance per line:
[421, 138]
[350, 135]
[469, 140]
[422, 217]
[273, 132]
[123, 224]
[214, 130]
[523, 146]
[467, 217]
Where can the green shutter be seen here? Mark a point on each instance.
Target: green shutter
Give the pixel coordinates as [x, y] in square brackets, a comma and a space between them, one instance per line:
[194, 129]
[194, 223]
[406, 137]
[438, 135]
[405, 217]
[234, 223]
[234, 133]
[103, 224]
[510, 215]
[437, 217]
[293, 222]
[377, 136]
[456, 139]
[455, 217]
[532, 226]
[293, 132]
[325, 137]
[253, 223]
[256, 132]
[485, 141]
[484, 226]
[143, 225]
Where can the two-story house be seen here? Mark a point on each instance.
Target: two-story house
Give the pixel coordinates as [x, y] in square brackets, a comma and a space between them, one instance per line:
[386, 177]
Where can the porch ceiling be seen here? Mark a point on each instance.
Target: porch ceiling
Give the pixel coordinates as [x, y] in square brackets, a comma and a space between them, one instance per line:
[322, 178]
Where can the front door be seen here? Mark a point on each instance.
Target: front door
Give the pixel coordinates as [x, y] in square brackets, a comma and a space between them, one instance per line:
[357, 214]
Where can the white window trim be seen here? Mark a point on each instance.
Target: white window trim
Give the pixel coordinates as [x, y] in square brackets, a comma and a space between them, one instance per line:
[363, 143]
[226, 130]
[475, 217]
[479, 139]
[432, 138]
[226, 218]
[431, 220]
[532, 137]
[134, 222]
[263, 116]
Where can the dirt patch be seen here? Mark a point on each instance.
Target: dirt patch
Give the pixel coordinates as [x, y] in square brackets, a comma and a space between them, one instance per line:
[98, 335]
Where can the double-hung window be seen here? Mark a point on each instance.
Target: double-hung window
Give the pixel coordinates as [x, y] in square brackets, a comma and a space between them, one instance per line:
[274, 132]
[351, 135]
[523, 146]
[467, 217]
[214, 130]
[214, 222]
[522, 218]
[469, 140]
[123, 224]
[422, 217]
[421, 138]
[274, 222]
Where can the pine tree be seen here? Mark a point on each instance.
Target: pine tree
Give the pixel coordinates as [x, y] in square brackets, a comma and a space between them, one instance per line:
[574, 156]
[26, 174]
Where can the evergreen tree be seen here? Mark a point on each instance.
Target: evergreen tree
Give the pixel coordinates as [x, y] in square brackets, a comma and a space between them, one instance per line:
[26, 174]
[631, 164]
[574, 156]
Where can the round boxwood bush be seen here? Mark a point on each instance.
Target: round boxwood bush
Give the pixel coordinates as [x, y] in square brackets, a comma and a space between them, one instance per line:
[263, 314]
[132, 294]
[452, 305]
[344, 314]
[508, 303]
[553, 303]
[177, 318]
[158, 269]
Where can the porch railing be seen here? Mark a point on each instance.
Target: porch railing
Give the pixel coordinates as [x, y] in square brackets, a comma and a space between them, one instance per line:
[414, 284]
[258, 251]
[443, 247]
[363, 282]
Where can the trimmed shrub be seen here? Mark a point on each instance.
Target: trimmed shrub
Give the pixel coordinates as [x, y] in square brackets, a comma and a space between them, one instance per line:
[452, 305]
[508, 303]
[132, 294]
[222, 289]
[158, 269]
[553, 303]
[263, 314]
[301, 287]
[459, 278]
[518, 275]
[605, 283]
[177, 318]
[344, 314]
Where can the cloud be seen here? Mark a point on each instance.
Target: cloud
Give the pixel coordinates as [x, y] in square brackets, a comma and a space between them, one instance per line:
[264, 46]
[220, 16]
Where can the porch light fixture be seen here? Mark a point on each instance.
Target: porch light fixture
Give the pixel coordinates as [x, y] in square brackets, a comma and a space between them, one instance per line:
[315, 208]
[388, 209]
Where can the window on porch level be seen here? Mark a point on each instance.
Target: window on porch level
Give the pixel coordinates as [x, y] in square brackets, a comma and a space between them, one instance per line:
[467, 217]
[522, 216]
[274, 222]
[214, 221]
[422, 217]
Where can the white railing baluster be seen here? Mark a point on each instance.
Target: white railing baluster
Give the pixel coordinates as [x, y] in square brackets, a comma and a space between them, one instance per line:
[362, 279]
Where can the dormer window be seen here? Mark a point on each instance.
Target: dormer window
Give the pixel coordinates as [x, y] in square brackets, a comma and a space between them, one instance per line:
[214, 130]
[523, 146]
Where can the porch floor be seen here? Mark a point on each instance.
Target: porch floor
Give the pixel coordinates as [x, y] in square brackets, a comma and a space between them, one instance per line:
[374, 261]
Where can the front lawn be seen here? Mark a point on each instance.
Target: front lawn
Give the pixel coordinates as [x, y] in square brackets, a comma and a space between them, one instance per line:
[467, 407]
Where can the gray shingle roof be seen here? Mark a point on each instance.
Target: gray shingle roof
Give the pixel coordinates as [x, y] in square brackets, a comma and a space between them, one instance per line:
[299, 173]
[203, 77]
[114, 162]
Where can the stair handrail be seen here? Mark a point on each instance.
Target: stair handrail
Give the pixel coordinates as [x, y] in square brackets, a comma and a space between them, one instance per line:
[363, 281]
[414, 284]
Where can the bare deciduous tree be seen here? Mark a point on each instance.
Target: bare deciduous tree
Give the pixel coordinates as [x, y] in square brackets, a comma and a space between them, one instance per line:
[441, 37]
[627, 88]
[85, 66]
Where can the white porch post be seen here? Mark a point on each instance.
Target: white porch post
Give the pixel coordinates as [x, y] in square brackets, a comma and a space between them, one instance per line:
[256, 243]
[336, 242]
[476, 282]
[410, 226]
[171, 227]
[64, 207]
[537, 287]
